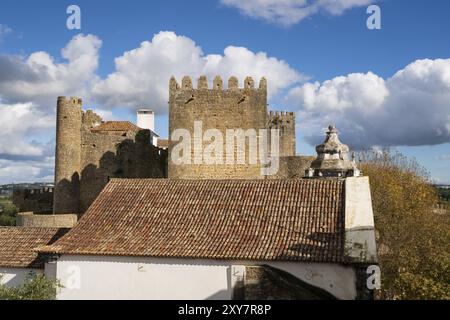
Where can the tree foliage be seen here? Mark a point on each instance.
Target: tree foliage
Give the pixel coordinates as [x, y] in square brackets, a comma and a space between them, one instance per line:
[413, 239]
[35, 287]
[8, 212]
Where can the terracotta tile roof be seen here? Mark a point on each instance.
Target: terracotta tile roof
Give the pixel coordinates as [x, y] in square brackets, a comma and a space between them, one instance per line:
[18, 244]
[163, 143]
[293, 220]
[116, 126]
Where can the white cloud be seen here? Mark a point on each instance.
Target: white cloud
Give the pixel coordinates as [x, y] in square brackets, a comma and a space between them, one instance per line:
[18, 122]
[142, 75]
[341, 93]
[241, 62]
[26, 171]
[38, 78]
[410, 108]
[30, 85]
[22, 157]
[106, 115]
[289, 12]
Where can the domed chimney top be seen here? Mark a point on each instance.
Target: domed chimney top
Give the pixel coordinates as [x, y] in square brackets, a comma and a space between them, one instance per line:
[332, 158]
[332, 144]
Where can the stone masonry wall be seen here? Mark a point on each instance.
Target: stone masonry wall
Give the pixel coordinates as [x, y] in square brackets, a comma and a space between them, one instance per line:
[85, 160]
[219, 108]
[293, 167]
[37, 200]
[31, 220]
[268, 283]
[285, 122]
[106, 156]
[67, 155]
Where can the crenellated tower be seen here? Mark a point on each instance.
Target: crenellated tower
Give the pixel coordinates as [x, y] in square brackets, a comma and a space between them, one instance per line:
[68, 155]
[285, 122]
[216, 107]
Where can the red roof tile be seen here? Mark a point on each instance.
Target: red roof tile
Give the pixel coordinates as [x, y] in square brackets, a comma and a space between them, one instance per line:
[292, 220]
[163, 143]
[18, 244]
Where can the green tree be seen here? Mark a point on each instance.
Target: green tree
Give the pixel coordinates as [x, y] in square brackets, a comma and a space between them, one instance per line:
[413, 240]
[8, 214]
[35, 287]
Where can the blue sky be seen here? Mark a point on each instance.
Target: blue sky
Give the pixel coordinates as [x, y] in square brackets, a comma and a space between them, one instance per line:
[324, 45]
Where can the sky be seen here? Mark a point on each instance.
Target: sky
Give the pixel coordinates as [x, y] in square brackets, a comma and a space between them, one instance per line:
[387, 87]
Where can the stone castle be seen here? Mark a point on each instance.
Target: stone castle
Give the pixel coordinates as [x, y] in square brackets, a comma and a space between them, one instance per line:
[90, 151]
[223, 109]
[211, 231]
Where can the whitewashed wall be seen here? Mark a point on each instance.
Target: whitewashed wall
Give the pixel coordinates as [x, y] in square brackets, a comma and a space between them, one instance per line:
[103, 277]
[12, 277]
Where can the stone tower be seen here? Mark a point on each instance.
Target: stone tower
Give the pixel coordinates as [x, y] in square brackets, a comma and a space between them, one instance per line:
[285, 122]
[218, 108]
[67, 155]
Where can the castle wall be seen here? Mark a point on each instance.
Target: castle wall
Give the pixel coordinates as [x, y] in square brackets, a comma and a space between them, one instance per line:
[98, 163]
[86, 160]
[216, 108]
[285, 122]
[37, 200]
[293, 167]
[68, 155]
[90, 119]
[31, 220]
[106, 156]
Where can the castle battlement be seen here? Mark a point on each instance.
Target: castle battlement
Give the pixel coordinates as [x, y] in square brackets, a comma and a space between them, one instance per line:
[202, 84]
[281, 120]
[281, 114]
[69, 100]
[243, 107]
[37, 200]
[285, 122]
[90, 119]
[246, 104]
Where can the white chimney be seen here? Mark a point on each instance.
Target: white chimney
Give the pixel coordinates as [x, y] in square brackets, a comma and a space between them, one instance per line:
[146, 119]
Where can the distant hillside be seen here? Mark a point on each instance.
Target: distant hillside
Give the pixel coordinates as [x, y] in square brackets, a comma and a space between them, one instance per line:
[7, 189]
[444, 193]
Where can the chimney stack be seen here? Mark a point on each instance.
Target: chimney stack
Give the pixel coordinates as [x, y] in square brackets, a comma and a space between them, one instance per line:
[146, 119]
[332, 159]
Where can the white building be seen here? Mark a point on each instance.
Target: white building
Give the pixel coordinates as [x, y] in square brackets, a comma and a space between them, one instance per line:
[220, 239]
[18, 257]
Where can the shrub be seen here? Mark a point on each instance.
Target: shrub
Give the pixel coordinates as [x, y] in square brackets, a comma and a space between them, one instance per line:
[35, 287]
[8, 216]
[413, 241]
